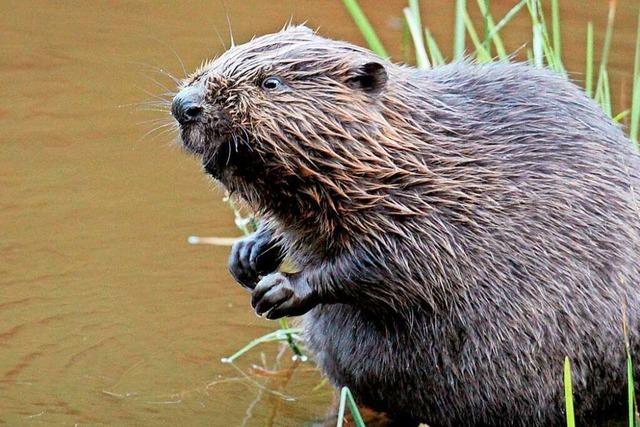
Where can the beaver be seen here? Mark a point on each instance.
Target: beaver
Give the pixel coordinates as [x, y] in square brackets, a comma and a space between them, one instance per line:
[458, 231]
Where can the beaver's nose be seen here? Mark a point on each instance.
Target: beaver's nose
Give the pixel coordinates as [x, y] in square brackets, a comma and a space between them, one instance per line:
[186, 106]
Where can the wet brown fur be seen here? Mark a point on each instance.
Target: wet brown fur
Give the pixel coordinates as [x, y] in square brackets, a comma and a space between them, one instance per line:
[463, 229]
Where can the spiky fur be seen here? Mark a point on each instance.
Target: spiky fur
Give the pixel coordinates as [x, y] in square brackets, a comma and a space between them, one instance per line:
[466, 228]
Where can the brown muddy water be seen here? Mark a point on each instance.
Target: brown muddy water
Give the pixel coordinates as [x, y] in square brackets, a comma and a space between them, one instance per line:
[107, 315]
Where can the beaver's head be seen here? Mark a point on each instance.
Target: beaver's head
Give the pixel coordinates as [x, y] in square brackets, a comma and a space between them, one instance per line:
[292, 113]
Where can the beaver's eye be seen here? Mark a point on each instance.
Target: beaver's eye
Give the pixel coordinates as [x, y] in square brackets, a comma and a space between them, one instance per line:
[272, 83]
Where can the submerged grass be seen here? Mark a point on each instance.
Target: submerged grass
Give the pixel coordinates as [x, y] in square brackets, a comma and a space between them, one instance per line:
[544, 50]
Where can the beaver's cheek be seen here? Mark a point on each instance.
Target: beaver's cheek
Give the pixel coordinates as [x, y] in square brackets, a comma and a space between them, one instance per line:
[218, 118]
[193, 139]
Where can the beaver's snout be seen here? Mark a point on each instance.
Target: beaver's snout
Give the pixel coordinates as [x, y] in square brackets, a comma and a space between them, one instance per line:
[187, 105]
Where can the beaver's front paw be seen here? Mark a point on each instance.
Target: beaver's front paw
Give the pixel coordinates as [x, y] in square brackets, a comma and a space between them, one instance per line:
[281, 294]
[252, 257]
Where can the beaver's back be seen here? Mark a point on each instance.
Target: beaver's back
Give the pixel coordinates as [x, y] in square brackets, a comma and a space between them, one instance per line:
[543, 265]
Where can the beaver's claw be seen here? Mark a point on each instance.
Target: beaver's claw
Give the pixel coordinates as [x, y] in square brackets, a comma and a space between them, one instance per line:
[280, 294]
[253, 257]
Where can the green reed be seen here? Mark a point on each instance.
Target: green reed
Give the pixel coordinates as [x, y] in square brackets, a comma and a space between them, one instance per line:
[346, 399]
[568, 393]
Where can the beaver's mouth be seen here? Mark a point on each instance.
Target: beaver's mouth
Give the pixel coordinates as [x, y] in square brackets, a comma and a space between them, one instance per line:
[216, 152]
[218, 148]
[217, 157]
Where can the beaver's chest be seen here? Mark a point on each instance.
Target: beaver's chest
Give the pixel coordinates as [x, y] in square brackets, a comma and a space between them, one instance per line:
[376, 358]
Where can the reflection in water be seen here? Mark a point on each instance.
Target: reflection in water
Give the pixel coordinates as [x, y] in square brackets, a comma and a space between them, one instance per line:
[107, 315]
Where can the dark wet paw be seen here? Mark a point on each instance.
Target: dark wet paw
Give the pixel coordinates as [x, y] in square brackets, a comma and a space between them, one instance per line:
[253, 257]
[278, 295]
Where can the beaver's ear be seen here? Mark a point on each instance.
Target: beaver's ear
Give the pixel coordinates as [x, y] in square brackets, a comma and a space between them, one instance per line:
[370, 77]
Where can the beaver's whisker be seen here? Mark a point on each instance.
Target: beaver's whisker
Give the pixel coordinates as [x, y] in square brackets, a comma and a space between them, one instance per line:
[158, 108]
[163, 106]
[161, 126]
[208, 158]
[159, 70]
[149, 102]
[164, 132]
[247, 139]
[160, 85]
[155, 129]
[165, 97]
[229, 150]
[165, 44]
[158, 97]
[184, 70]
[162, 120]
[224, 45]
[176, 80]
[233, 42]
[235, 141]
[209, 155]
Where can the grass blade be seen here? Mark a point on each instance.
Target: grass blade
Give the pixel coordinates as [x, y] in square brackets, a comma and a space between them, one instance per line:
[635, 97]
[538, 53]
[481, 53]
[346, 398]
[542, 47]
[588, 82]
[536, 28]
[484, 7]
[412, 15]
[568, 394]
[555, 25]
[506, 18]
[365, 27]
[459, 31]
[278, 335]
[603, 92]
[621, 116]
[434, 51]
[491, 36]
[631, 397]
[606, 46]
[284, 326]
[607, 94]
[405, 42]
